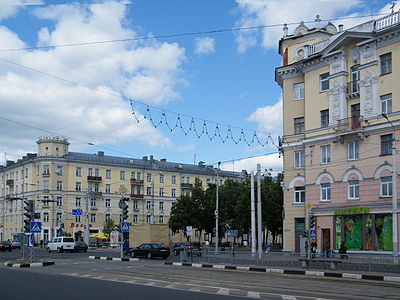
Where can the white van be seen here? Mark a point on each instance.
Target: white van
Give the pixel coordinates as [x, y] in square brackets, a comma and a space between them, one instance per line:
[61, 244]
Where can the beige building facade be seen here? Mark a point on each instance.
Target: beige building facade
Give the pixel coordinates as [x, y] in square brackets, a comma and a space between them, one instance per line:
[60, 181]
[341, 113]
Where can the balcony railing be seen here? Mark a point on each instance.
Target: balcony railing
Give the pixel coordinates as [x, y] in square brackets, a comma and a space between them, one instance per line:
[387, 21]
[10, 182]
[136, 182]
[133, 195]
[353, 89]
[317, 47]
[348, 124]
[46, 174]
[94, 178]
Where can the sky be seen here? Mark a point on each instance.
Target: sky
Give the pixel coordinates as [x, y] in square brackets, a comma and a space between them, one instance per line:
[184, 80]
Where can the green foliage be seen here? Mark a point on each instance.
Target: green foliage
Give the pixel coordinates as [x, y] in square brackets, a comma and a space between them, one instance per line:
[109, 226]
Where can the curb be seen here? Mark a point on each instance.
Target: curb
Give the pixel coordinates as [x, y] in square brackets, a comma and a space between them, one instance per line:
[290, 272]
[29, 265]
[113, 258]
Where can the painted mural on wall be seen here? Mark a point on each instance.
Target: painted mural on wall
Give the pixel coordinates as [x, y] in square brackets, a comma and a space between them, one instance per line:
[353, 232]
[383, 232]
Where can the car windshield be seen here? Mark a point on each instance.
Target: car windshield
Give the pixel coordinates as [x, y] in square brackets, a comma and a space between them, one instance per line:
[68, 240]
[158, 246]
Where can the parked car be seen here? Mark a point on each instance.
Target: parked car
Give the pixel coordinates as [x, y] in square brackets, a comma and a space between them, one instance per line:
[80, 246]
[15, 245]
[150, 250]
[192, 248]
[5, 246]
[61, 244]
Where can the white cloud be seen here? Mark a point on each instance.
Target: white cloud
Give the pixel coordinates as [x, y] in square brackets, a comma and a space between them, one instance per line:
[187, 148]
[205, 45]
[269, 119]
[272, 161]
[147, 72]
[265, 12]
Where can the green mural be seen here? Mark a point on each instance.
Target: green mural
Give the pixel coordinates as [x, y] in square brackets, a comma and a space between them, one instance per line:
[368, 232]
[353, 232]
[338, 232]
[383, 232]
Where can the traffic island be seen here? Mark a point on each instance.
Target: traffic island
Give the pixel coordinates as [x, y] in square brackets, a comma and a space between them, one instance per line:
[113, 258]
[28, 264]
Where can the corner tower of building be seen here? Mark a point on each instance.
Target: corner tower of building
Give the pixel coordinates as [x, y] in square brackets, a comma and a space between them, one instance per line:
[52, 146]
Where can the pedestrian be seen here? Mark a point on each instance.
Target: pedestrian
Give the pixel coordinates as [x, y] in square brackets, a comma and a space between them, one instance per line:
[343, 250]
[41, 243]
[313, 248]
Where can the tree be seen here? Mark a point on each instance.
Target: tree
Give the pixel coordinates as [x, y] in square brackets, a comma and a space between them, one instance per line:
[109, 226]
[183, 213]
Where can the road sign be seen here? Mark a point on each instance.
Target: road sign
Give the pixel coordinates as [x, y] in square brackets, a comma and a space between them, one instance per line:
[229, 233]
[123, 190]
[125, 227]
[189, 230]
[313, 234]
[36, 227]
[30, 241]
[309, 206]
[77, 212]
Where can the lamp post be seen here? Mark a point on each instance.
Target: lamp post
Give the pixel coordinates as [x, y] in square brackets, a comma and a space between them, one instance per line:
[394, 195]
[216, 209]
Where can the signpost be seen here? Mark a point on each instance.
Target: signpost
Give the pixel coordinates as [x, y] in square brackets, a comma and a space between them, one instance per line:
[313, 234]
[36, 227]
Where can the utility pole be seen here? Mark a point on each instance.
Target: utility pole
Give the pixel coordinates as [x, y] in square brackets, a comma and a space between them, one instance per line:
[259, 219]
[253, 218]
[217, 212]
[87, 217]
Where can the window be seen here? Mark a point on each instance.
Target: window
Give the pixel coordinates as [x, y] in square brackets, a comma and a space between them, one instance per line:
[386, 104]
[78, 201]
[352, 150]
[161, 219]
[108, 188]
[133, 175]
[208, 181]
[78, 172]
[90, 172]
[326, 192]
[324, 82]
[161, 178]
[182, 179]
[386, 144]
[187, 179]
[299, 159]
[173, 179]
[161, 191]
[59, 185]
[161, 206]
[148, 219]
[96, 172]
[148, 177]
[59, 217]
[173, 193]
[354, 189]
[148, 205]
[93, 202]
[45, 217]
[122, 175]
[299, 194]
[59, 201]
[386, 63]
[138, 190]
[108, 202]
[324, 118]
[299, 125]
[59, 170]
[96, 187]
[138, 176]
[135, 204]
[46, 170]
[354, 86]
[78, 186]
[108, 217]
[90, 186]
[325, 154]
[135, 219]
[386, 186]
[148, 191]
[298, 91]
[93, 218]
[77, 219]
[108, 174]
[45, 200]
[37, 170]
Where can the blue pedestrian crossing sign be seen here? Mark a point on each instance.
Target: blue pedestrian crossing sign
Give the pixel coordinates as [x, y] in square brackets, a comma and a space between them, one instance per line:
[36, 227]
[229, 233]
[77, 212]
[313, 233]
[125, 227]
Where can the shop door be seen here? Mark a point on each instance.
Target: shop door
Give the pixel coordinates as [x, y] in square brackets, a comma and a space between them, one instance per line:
[326, 240]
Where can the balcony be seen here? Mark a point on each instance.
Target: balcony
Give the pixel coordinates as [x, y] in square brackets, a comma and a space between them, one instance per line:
[95, 194]
[133, 195]
[387, 21]
[136, 182]
[349, 128]
[353, 89]
[46, 191]
[94, 178]
[46, 174]
[10, 182]
[186, 185]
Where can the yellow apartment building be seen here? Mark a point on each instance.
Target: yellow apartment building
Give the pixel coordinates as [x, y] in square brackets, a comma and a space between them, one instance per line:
[59, 181]
[341, 115]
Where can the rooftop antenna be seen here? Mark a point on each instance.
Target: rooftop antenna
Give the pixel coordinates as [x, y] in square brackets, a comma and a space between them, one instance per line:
[393, 4]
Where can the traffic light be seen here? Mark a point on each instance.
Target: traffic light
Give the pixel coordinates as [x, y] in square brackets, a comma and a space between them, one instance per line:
[62, 226]
[118, 227]
[125, 209]
[312, 221]
[29, 214]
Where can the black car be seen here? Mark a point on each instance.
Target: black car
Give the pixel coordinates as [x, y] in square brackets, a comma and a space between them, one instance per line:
[150, 250]
[80, 246]
[192, 248]
[5, 246]
[15, 245]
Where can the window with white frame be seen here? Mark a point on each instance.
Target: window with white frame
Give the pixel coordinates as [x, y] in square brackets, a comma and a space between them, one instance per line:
[148, 177]
[108, 202]
[299, 159]
[325, 192]
[45, 217]
[148, 191]
[299, 194]
[138, 176]
[59, 170]
[108, 174]
[352, 150]
[59, 217]
[90, 172]
[59, 185]
[97, 172]
[78, 186]
[93, 202]
[386, 186]
[93, 218]
[173, 179]
[77, 219]
[354, 189]
[108, 217]
[161, 191]
[78, 172]
[133, 175]
[386, 63]
[298, 91]
[161, 178]
[161, 206]
[122, 175]
[96, 187]
[148, 205]
[324, 82]
[108, 188]
[187, 179]
[183, 179]
[78, 201]
[386, 104]
[325, 154]
[148, 219]
[173, 193]
[161, 219]
[135, 219]
[59, 201]
[135, 204]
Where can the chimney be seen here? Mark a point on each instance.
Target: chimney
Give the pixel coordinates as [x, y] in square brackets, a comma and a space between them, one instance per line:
[285, 30]
[164, 160]
[144, 157]
[100, 153]
[341, 28]
[317, 22]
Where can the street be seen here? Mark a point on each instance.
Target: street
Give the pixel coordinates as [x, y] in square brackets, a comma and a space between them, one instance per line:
[148, 279]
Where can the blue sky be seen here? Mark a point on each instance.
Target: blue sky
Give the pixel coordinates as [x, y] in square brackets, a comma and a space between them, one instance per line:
[83, 92]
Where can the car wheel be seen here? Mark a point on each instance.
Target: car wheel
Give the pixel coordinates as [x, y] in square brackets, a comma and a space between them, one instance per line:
[85, 250]
[133, 254]
[149, 256]
[59, 250]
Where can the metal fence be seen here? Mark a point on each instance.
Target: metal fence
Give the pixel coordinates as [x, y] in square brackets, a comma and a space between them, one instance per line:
[366, 261]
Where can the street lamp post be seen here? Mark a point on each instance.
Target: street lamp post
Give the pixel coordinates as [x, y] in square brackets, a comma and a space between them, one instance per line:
[394, 196]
